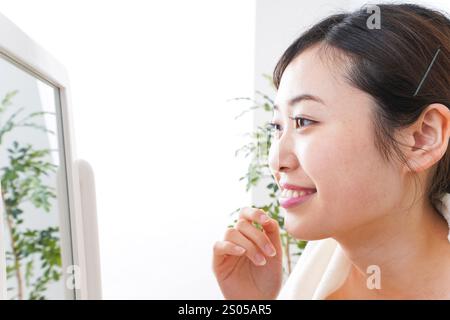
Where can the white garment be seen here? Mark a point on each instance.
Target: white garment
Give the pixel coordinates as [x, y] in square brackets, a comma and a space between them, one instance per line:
[323, 267]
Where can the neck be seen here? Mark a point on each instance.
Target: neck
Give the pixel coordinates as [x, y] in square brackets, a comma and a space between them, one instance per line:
[408, 248]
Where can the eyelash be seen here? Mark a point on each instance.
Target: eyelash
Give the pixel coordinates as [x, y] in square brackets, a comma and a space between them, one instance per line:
[273, 126]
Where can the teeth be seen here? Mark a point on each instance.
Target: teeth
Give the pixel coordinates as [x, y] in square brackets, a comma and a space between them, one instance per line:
[286, 193]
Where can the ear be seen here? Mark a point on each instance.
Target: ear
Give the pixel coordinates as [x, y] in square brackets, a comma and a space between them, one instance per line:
[428, 138]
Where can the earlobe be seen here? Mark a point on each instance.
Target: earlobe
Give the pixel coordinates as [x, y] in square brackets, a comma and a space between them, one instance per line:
[420, 163]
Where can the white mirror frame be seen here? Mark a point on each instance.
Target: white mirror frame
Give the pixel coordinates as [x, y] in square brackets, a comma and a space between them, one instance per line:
[17, 46]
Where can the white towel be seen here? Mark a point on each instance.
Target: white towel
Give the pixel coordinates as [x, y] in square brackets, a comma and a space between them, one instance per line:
[323, 267]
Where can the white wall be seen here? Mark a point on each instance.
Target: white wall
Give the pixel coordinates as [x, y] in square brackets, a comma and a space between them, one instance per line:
[150, 82]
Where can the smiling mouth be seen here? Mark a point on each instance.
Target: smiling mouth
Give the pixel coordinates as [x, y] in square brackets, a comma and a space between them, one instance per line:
[291, 198]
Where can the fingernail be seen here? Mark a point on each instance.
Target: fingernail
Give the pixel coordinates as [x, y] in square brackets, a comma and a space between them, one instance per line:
[238, 249]
[270, 250]
[263, 218]
[260, 260]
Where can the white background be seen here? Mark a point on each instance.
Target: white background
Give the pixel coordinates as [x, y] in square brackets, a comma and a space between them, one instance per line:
[150, 80]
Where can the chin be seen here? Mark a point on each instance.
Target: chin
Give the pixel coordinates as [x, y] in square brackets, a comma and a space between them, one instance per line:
[302, 228]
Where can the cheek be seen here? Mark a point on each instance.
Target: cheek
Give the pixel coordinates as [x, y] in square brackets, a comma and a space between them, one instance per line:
[349, 175]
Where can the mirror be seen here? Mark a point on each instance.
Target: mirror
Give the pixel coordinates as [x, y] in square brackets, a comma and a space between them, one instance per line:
[36, 231]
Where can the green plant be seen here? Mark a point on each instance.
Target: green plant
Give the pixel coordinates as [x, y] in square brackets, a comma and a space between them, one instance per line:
[258, 172]
[22, 184]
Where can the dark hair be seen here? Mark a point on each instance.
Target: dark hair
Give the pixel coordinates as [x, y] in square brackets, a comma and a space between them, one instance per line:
[389, 63]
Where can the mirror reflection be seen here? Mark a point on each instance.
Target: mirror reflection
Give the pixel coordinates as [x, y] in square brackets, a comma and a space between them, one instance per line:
[34, 191]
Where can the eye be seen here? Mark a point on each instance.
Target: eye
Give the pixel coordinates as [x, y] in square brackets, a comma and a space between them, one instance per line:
[273, 126]
[299, 120]
[273, 129]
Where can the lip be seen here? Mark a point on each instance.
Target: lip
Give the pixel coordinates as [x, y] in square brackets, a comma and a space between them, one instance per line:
[291, 202]
[295, 187]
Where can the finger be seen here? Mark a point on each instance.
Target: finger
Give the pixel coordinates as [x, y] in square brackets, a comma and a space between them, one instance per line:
[222, 250]
[257, 236]
[252, 252]
[272, 231]
[226, 247]
[270, 226]
[253, 214]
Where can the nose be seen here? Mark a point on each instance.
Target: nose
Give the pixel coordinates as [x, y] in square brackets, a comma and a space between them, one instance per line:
[282, 156]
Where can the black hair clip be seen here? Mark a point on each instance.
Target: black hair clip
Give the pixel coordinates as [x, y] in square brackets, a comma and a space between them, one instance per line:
[428, 71]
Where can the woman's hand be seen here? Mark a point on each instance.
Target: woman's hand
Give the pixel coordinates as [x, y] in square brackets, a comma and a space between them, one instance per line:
[244, 264]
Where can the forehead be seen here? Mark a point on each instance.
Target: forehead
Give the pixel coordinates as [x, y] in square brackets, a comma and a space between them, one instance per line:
[322, 74]
[310, 73]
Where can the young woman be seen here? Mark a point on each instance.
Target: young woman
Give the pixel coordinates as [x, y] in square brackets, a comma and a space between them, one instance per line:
[360, 152]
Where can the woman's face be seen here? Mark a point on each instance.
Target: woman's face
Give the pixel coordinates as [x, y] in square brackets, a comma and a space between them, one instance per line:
[331, 150]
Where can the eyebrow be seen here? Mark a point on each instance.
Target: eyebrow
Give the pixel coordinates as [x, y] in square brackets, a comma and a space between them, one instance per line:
[300, 98]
